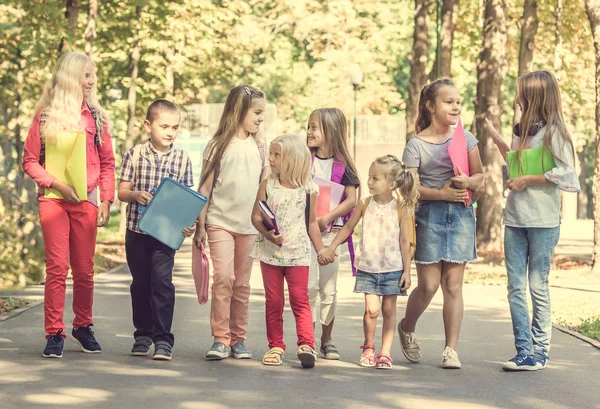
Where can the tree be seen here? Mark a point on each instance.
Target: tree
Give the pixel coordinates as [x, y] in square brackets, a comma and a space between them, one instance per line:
[529, 26]
[592, 8]
[491, 70]
[418, 63]
[447, 28]
[90, 29]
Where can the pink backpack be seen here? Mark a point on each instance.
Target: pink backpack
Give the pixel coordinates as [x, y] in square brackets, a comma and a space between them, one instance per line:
[200, 272]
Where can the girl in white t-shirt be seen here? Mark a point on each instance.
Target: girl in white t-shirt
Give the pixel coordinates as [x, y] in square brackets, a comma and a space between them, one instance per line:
[383, 259]
[231, 172]
[292, 197]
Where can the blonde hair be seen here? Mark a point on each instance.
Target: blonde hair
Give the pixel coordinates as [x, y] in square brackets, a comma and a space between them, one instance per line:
[63, 96]
[238, 103]
[295, 161]
[539, 96]
[334, 127]
[406, 189]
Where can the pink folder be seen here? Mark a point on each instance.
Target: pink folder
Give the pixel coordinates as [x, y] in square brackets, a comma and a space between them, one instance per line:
[200, 272]
[459, 155]
[330, 196]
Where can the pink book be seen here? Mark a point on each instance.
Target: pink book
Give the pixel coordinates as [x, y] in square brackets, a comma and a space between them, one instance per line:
[200, 272]
[459, 155]
[330, 196]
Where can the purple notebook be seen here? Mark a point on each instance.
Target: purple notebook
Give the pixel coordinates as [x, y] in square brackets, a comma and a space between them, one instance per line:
[268, 218]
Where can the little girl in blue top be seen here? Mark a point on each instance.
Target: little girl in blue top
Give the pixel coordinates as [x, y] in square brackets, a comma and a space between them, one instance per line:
[532, 215]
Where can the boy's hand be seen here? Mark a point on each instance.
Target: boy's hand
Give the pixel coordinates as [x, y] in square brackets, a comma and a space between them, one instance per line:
[188, 231]
[274, 238]
[323, 224]
[103, 214]
[142, 198]
[200, 236]
[404, 282]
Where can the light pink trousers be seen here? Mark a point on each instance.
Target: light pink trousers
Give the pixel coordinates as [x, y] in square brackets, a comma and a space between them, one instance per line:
[232, 265]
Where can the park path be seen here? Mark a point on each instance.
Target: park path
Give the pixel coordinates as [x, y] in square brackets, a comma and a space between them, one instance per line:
[116, 380]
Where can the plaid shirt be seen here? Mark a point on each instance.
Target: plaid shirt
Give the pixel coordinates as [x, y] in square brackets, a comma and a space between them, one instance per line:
[150, 171]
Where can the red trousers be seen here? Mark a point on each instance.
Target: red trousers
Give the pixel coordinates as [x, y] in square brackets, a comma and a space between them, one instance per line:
[69, 231]
[297, 281]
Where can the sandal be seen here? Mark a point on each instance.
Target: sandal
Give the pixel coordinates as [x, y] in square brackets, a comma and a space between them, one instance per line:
[384, 361]
[367, 359]
[273, 357]
[307, 356]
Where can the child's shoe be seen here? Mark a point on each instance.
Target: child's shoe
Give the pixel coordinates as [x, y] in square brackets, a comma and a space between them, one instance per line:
[384, 361]
[450, 359]
[239, 351]
[329, 351]
[307, 356]
[162, 351]
[521, 362]
[84, 337]
[541, 359]
[217, 352]
[367, 359]
[54, 346]
[141, 346]
[410, 344]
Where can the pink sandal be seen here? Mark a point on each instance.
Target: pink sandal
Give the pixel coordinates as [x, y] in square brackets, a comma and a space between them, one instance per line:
[367, 359]
[384, 361]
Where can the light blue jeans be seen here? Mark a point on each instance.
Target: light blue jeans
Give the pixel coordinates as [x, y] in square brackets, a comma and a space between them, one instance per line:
[528, 254]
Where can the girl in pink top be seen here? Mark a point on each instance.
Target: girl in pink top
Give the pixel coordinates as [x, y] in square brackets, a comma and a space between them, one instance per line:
[69, 103]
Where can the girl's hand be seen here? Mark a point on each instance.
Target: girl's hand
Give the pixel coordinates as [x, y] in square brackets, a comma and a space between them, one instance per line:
[200, 236]
[68, 192]
[188, 231]
[142, 198]
[461, 181]
[103, 214]
[517, 184]
[497, 138]
[453, 195]
[323, 224]
[274, 238]
[404, 282]
[326, 256]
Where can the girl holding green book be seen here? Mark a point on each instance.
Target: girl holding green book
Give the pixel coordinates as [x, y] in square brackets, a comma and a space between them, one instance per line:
[542, 163]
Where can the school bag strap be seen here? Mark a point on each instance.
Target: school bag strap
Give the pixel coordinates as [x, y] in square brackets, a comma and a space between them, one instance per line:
[44, 119]
[413, 229]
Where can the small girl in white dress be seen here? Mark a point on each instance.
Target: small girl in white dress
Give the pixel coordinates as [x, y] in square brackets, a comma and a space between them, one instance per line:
[383, 259]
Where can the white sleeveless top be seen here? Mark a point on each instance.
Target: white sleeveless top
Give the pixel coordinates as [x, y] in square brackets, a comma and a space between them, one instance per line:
[379, 249]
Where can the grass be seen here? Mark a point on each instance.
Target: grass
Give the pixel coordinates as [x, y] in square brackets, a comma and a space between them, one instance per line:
[110, 248]
[110, 234]
[590, 327]
[10, 304]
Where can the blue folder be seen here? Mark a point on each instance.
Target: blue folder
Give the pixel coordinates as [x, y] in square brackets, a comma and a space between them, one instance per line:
[173, 207]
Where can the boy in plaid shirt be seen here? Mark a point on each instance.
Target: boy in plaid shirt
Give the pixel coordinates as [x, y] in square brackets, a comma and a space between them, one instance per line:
[150, 261]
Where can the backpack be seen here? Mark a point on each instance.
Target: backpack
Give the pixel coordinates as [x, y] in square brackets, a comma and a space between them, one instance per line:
[44, 118]
[135, 157]
[412, 231]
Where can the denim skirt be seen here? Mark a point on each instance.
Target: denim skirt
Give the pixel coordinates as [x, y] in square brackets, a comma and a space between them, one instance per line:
[378, 283]
[445, 232]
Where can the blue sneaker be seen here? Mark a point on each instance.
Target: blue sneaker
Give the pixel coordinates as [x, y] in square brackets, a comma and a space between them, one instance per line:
[217, 352]
[84, 337]
[521, 362]
[162, 351]
[541, 359]
[54, 346]
[239, 351]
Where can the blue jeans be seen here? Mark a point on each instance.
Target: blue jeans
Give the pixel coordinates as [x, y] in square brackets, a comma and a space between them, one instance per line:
[533, 248]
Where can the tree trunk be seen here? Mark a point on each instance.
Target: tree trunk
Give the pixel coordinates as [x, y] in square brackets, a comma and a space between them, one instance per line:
[72, 13]
[418, 63]
[558, 39]
[90, 30]
[488, 104]
[134, 59]
[592, 8]
[529, 26]
[449, 15]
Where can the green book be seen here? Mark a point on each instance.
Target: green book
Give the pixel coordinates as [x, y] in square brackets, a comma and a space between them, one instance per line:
[531, 162]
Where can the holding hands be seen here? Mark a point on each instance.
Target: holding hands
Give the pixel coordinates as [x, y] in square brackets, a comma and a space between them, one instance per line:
[326, 256]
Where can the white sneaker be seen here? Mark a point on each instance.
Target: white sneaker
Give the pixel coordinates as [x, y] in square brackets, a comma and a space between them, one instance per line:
[450, 359]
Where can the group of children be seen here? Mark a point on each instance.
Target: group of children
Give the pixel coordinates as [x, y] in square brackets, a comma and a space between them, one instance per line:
[239, 172]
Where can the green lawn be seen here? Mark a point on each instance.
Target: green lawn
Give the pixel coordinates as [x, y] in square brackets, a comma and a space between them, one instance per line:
[9, 304]
[590, 327]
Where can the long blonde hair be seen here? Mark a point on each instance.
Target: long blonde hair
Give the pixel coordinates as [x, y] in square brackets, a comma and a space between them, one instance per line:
[295, 161]
[406, 191]
[63, 96]
[238, 103]
[334, 128]
[539, 96]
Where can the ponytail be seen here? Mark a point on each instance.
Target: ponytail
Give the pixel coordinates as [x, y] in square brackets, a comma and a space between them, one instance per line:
[428, 94]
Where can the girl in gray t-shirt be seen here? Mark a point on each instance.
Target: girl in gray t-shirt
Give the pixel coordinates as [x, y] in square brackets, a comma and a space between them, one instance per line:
[445, 226]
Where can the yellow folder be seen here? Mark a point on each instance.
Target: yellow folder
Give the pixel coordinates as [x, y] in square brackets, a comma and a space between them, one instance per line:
[66, 160]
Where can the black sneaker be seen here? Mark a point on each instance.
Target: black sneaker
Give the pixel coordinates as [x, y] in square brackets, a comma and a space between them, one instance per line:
[162, 351]
[54, 346]
[141, 346]
[84, 337]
